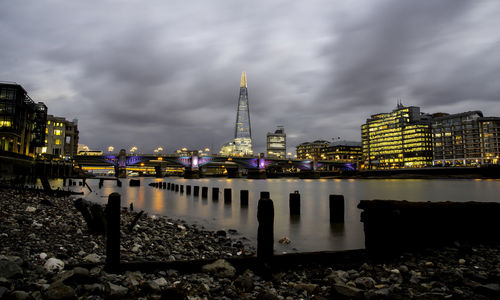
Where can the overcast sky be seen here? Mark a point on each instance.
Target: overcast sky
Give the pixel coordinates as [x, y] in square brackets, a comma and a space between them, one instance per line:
[167, 73]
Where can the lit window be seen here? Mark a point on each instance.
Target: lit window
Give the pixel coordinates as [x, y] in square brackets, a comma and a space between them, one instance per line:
[5, 123]
[58, 142]
[44, 149]
[48, 122]
[57, 132]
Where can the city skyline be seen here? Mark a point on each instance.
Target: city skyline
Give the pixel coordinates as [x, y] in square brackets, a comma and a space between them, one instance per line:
[160, 77]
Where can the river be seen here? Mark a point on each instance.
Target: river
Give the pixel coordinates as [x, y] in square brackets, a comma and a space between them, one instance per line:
[311, 231]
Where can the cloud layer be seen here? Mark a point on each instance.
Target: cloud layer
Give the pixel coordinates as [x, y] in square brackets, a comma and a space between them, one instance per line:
[166, 73]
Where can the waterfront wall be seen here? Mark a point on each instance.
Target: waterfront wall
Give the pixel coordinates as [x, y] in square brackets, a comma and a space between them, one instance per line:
[393, 226]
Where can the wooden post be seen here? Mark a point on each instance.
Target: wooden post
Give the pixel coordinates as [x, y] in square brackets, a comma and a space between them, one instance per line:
[118, 183]
[113, 232]
[265, 195]
[101, 183]
[182, 188]
[168, 186]
[244, 198]
[336, 208]
[176, 187]
[294, 203]
[64, 181]
[196, 191]
[204, 192]
[227, 196]
[215, 193]
[265, 231]
[164, 185]
[188, 190]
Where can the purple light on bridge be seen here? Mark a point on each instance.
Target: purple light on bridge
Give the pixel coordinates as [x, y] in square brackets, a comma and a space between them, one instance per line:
[194, 162]
[262, 163]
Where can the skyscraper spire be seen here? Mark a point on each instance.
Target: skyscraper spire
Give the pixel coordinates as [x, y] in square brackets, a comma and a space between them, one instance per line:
[243, 82]
[242, 130]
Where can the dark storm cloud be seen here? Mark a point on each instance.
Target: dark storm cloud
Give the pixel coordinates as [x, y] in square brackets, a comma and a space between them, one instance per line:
[167, 74]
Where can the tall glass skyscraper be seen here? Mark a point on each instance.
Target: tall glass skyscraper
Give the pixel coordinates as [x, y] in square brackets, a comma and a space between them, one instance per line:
[242, 130]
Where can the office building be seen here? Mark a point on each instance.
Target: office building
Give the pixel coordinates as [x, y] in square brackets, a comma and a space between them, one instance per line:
[61, 137]
[490, 139]
[344, 151]
[22, 121]
[276, 143]
[312, 150]
[465, 139]
[242, 130]
[398, 139]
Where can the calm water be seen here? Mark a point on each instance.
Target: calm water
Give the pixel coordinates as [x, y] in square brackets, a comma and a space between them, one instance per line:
[312, 231]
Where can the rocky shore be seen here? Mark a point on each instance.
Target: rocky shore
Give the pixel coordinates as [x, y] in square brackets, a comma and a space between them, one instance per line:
[41, 236]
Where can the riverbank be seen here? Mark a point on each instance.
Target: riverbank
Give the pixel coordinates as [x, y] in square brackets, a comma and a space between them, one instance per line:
[37, 232]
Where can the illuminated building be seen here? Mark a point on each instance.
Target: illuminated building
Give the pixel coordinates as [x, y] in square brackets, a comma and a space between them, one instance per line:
[227, 149]
[465, 139]
[312, 150]
[344, 151]
[61, 137]
[490, 139]
[22, 121]
[276, 143]
[399, 139]
[242, 130]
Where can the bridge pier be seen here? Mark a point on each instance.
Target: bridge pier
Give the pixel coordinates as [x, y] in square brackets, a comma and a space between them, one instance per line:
[191, 174]
[257, 174]
[309, 174]
[158, 172]
[233, 172]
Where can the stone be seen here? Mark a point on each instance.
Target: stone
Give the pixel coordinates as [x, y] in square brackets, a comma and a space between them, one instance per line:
[58, 291]
[93, 258]
[490, 289]
[309, 287]
[115, 290]
[19, 295]
[220, 268]
[244, 283]
[365, 283]
[10, 269]
[174, 294]
[221, 233]
[161, 281]
[3, 292]
[43, 255]
[461, 261]
[266, 296]
[54, 265]
[338, 276]
[30, 209]
[348, 291]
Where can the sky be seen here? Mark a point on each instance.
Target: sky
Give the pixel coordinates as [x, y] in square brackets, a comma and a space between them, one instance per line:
[167, 73]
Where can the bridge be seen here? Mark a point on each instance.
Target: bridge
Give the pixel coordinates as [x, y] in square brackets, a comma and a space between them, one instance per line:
[255, 166]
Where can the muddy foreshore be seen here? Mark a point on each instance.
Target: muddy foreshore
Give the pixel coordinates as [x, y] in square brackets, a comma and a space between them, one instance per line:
[38, 234]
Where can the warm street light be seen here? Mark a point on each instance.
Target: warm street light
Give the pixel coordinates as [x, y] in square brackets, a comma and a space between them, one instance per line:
[111, 149]
[133, 149]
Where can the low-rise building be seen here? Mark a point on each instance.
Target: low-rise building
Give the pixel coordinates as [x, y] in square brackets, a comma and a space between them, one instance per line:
[61, 137]
[344, 151]
[312, 150]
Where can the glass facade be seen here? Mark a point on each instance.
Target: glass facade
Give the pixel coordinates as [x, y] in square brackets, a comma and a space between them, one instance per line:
[243, 131]
[22, 125]
[399, 139]
[344, 151]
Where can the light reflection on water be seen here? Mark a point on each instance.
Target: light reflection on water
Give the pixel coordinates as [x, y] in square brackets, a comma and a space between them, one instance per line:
[311, 231]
